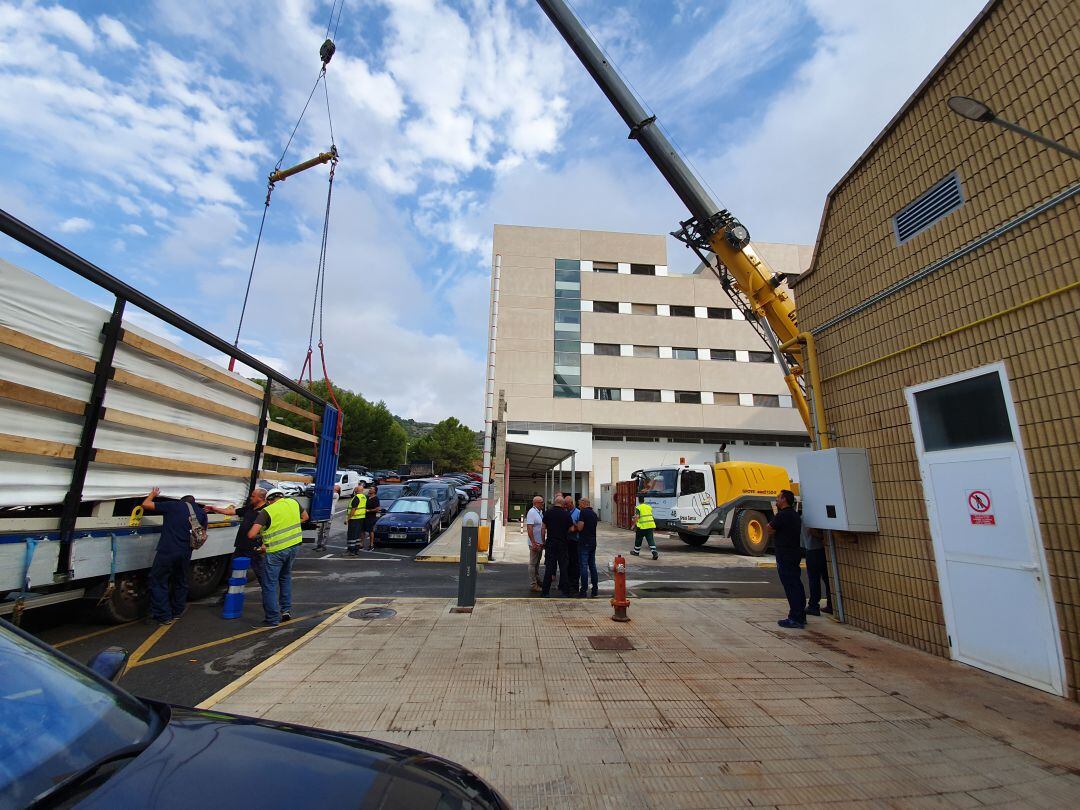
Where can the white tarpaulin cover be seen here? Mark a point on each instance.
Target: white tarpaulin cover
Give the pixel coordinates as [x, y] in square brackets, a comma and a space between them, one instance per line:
[31, 305]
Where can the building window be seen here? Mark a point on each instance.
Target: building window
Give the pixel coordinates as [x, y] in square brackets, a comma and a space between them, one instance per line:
[605, 267]
[567, 303]
[643, 309]
[646, 395]
[679, 311]
[612, 394]
[721, 313]
[568, 346]
[605, 306]
[683, 353]
[761, 357]
[568, 266]
[688, 397]
[567, 365]
[567, 392]
[567, 359]
[606, 349]
[722, 354]
[642, 270]
[646, 351]
[725, 398]
[766, 400]
[934, 205]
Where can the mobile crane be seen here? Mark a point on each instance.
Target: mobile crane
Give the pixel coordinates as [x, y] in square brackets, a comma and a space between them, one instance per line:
[736, 498]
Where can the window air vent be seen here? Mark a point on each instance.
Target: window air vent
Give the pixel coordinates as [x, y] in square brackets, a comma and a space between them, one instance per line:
[941, 200]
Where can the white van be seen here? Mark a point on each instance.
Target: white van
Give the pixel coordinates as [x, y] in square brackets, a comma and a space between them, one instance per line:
[348, 480]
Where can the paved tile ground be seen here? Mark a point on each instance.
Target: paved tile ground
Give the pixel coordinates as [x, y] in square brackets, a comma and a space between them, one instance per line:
[714, 707]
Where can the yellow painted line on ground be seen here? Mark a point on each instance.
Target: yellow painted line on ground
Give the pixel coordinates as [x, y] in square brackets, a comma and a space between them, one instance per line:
[96, 633]
[144, 648]
[226, 640]
[261, 667]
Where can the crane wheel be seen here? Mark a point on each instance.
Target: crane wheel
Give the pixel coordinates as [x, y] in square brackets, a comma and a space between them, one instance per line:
[693, 539]
[749, 535]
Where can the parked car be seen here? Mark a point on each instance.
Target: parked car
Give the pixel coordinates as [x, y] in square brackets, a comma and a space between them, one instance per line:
[388, 493]
[409, 519]
[301, 470]
[70, 737]
[347, 481]
[443, 493]
[463, 498]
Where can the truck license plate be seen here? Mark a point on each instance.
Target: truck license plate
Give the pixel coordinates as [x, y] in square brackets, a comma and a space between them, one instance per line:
[397, 536]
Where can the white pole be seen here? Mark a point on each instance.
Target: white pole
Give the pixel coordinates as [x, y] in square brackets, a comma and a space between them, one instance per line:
[489, 393]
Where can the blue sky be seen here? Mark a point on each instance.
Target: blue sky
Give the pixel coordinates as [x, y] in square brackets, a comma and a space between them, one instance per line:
[140, 134]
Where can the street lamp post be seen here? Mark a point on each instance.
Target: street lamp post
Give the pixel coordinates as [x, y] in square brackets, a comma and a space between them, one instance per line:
[978, 111]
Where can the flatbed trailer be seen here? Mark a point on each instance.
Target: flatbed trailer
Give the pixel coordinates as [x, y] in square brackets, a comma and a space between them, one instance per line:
[95, 411]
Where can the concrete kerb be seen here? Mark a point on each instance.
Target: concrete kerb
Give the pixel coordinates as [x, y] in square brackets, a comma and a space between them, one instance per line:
[447, 546]
[284, 652]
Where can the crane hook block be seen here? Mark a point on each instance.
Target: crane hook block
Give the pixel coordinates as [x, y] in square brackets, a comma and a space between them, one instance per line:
[322, 157]
[327, 51]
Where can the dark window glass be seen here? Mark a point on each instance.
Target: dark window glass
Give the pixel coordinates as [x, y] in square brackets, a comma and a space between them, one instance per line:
[567, 303]
[612, 394]
[606, 349]
[688, 397]
[567, 379]
[646, 351]
[575, 293]
[725, 398]
[567, 265]
[605, 267]
[567, 392]
[681, 311]
[605, 306]
[575, 328]
[642, 270]
[680, 353]
[691, 482]
[968, 413]
[567, 359]
[767, 400]
[568, 316]
[719, 312]
[646, 395]
[761, 357]
[568, 346]
[722, 354]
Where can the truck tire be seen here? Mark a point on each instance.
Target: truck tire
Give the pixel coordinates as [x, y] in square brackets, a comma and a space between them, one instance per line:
[693, 539]
[128, 600]
[205, 577]
[748, 534]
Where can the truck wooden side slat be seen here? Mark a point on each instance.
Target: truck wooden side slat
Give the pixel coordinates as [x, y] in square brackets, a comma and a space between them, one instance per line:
[168, 428]
[28, 395]
[35, 447]
[289, 431]
[288, 406]
[122, 459]
[50, 351]
[281, 476]
[282, 453]
[167, 392]
[129, 338]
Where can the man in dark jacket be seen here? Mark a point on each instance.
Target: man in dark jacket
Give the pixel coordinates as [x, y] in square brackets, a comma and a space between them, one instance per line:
[169, 573]
[785, 530]
[243, 546]
[586, 527]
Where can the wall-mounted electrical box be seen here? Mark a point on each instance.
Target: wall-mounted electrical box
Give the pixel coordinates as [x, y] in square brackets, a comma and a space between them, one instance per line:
[836, 490]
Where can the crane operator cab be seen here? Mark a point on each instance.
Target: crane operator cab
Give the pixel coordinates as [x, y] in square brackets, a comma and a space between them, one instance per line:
[729, 498]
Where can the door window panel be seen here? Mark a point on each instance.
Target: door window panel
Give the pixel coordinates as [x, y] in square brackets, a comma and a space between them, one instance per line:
[968, 413]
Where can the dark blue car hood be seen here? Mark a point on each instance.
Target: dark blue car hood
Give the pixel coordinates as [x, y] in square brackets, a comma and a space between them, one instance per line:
[403, 519]
[210, 759]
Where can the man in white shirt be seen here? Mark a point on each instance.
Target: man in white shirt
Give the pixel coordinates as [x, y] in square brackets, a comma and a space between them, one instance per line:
[535, 526]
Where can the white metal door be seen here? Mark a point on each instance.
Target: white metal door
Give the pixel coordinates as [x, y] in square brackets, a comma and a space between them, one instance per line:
[997, 602]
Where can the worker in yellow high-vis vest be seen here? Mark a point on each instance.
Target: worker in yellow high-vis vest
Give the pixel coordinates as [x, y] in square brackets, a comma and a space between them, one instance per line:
[355, 518]
[280, 528]
[644, 525]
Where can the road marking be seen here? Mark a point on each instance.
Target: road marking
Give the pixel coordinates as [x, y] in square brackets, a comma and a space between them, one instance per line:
[221, 641]
[261, 667]
[144, 648]
[352, 559]
[94, 634]
[326, 557]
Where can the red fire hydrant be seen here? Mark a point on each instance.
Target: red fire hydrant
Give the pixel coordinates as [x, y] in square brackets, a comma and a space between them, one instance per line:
[619, 600]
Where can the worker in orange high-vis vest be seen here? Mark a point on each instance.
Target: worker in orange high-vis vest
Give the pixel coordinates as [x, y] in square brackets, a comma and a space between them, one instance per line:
[644, 525]
[280, 528]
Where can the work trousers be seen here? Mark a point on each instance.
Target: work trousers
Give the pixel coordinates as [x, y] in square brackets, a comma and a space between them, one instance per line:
[644, 534]
[573, 563]
[556, 556]
[787, 568]
[276, 582]
[169, 583]
[817, 572]
[352, 534]
[587, 564]
[535, 555]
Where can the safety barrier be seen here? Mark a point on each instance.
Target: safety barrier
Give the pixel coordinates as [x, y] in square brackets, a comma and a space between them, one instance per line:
[234, 597]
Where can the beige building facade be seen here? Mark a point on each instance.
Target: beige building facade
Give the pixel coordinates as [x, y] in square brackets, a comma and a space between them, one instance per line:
[603, 351]
[954, 359]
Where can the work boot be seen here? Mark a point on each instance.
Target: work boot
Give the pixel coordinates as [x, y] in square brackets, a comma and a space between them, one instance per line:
[595, 591]
[286, 617]
[583, 592]
[827, 609]
[636, 552]
[813, 610]
[655, 555]
[791, 624]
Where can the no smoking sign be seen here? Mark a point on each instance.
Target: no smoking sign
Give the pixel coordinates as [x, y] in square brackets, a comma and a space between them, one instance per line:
[979, 504]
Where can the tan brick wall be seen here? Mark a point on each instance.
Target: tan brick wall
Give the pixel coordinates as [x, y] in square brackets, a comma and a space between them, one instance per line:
[1021, 59]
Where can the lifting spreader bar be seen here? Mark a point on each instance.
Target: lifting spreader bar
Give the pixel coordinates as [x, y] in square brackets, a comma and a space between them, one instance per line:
[322, 157]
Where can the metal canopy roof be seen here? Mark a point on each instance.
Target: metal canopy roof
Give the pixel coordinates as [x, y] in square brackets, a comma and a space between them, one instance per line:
[534, 458]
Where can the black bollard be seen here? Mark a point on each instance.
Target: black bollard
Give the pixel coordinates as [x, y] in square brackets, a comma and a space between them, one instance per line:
[470, 533]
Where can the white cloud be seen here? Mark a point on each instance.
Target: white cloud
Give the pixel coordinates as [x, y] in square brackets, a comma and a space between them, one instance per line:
[134, 228]
[75, 225]
[116, 33]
